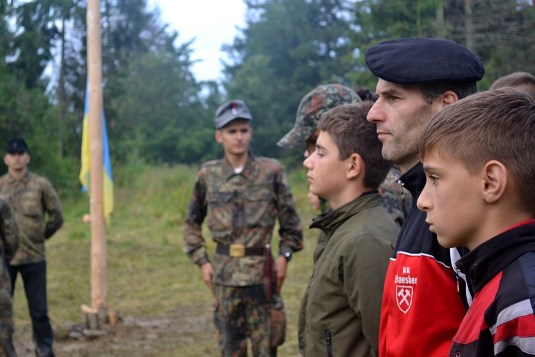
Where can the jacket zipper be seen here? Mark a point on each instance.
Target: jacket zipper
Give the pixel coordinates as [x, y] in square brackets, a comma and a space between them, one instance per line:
[402, 184]
[329, 342]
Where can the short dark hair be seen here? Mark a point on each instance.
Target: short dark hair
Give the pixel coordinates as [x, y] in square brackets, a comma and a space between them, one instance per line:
[491, 125]
[433, 90]
[352, 133]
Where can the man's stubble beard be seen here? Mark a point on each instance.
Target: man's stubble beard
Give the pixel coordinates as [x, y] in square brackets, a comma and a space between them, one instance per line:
[400, 156]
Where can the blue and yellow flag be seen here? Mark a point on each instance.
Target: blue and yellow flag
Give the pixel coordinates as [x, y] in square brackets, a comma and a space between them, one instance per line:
[86, 163]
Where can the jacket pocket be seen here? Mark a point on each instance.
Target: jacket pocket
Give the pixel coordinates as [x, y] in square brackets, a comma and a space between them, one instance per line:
[260, 208]
[219, 214]
[329, 343]
[30, 204]
[218, 198]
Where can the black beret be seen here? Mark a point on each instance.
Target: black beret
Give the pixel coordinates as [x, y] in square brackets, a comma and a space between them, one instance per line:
[423, 60]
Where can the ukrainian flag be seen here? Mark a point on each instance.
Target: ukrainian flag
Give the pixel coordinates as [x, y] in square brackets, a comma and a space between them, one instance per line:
[86, 163]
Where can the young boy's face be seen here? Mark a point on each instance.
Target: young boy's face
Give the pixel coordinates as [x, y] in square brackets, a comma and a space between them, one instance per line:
[235, 137]
[17, 160]
[452, 201]
[326, 172]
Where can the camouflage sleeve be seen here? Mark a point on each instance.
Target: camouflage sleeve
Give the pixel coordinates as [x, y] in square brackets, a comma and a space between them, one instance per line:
[8, 230]
[290, 231]
[194, 243]
[52, 207]
[394, 198]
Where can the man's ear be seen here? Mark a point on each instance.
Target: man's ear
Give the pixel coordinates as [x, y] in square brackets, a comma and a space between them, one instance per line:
[355, 166]
[494, 182]
[445, 99]
[449, 97]
[218, 136]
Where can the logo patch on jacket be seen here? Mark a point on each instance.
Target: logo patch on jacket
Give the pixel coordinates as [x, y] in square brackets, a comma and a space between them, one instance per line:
[404, 297]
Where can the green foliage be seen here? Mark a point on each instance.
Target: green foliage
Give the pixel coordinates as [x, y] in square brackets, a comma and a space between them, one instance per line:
[499, 32]
[158, 109]
[503, 37]
[158, 112]
[32, 44]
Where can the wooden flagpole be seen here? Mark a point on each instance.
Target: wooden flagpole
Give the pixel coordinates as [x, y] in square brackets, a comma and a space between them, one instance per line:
[98, 234]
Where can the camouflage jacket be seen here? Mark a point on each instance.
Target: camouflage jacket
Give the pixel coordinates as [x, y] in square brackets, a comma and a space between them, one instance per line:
[241, 208]
[30, 199]
[9, 242]
[395, 199]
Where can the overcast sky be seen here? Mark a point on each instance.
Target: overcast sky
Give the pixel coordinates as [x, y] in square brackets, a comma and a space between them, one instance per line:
[211, 22]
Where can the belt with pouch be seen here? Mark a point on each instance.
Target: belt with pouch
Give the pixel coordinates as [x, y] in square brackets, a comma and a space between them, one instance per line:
[238, 250]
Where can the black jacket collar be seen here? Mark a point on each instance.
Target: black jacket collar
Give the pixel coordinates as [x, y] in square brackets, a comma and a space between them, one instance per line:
[491, 257]
[414, 180]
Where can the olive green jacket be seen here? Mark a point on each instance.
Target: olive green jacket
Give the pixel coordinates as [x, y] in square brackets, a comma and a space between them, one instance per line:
[344, 295]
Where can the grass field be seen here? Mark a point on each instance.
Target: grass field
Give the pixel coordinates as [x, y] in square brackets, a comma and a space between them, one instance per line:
[149, 278]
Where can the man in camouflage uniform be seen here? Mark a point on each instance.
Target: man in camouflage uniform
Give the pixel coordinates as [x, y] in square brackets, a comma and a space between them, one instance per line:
[9, 242]
[242, 196]
[31, 198]
[313, 105]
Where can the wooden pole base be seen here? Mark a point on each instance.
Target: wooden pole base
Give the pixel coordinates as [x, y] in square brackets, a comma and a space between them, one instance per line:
[95, 319]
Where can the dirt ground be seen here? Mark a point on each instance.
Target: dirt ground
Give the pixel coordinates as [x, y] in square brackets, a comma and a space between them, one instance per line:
[169, 336]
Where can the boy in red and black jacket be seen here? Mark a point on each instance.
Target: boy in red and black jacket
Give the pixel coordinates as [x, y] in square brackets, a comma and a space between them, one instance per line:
[479, 159]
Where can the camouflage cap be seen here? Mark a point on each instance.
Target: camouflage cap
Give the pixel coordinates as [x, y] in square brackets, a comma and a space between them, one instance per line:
[312, 106]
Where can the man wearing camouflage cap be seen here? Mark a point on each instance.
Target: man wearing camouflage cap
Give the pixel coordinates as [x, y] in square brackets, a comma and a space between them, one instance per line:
[418, 77]
[38, 213]
[242, 196]
[312, 106]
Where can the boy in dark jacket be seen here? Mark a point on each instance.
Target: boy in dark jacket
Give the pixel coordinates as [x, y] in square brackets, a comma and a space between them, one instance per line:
[479, 159]
[342, 311]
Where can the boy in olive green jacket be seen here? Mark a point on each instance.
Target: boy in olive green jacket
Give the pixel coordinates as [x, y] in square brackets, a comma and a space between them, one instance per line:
[344, 302]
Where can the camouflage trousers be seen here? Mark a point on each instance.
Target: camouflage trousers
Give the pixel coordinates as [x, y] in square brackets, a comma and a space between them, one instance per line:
[6, 322]
[6, 338]
[243, 313]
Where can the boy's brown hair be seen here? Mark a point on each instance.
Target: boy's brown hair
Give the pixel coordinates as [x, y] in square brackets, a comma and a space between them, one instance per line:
[520, 80]
[492, 125]
[352, 133]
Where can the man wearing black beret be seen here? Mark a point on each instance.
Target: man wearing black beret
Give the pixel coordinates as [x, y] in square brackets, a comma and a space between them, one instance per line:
[418, 77]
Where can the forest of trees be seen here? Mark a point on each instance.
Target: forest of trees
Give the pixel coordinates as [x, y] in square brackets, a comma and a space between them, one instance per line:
[158, 112]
